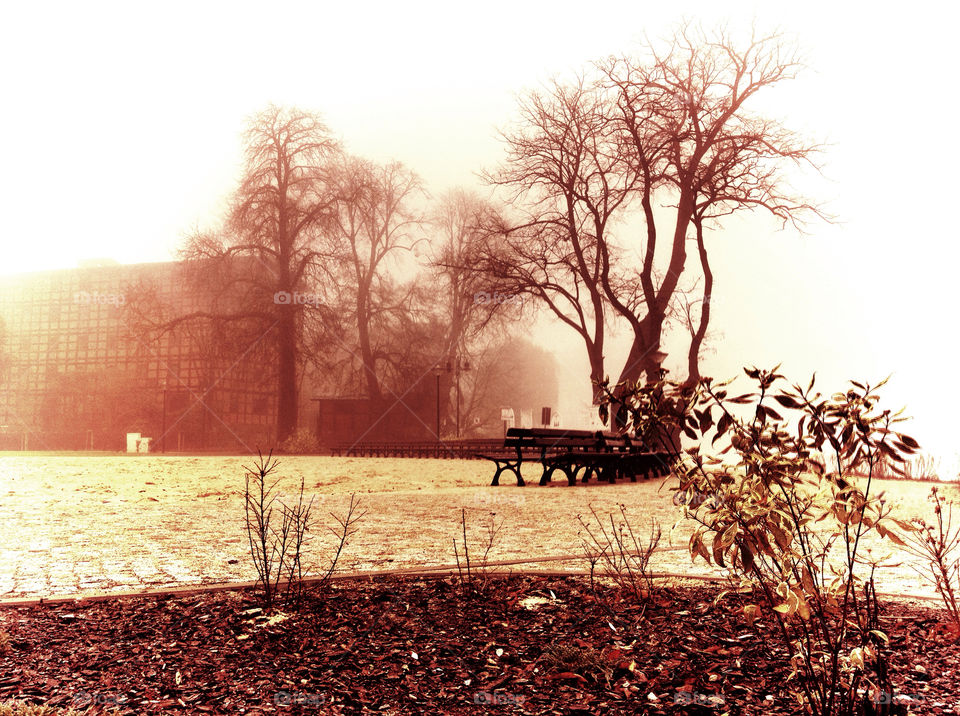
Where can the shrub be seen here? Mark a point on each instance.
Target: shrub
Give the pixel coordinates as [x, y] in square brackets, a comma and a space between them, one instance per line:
[621, 555]
[939, 546]
[277, 550]
[787, 518]
[474, 576]
[302, 442]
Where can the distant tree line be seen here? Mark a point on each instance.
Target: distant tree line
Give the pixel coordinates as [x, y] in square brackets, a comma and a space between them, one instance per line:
[336, 272]
[344, 270]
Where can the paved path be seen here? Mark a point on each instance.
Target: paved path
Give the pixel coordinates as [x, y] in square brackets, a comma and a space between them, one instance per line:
[84, 525]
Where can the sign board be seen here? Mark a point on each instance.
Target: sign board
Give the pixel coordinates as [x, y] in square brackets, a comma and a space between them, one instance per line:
[526, 418]
[506, 415]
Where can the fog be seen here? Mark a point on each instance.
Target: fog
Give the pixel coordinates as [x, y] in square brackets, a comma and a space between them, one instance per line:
[126, 138]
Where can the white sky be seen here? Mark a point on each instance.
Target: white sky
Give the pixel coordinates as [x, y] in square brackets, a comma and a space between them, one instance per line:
[120, 133]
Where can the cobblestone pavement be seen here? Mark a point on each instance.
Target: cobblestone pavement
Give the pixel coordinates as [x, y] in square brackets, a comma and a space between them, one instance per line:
[79, 525]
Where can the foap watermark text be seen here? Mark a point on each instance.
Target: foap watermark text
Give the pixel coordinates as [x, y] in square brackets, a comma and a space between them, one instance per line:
[85, 298]
[484, 297]
[285, 298]
[496, 698]
[299, 698]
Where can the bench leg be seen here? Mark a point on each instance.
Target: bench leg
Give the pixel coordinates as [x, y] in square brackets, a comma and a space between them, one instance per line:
[503, 466]
[516, 471]
[592, 471]
[547, 475]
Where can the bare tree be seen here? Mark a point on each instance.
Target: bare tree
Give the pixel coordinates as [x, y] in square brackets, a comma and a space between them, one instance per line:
[471, 303]
[271, 255]
[374, 224]
[684, 119]
[664, 138]
[471, 307]
[567, 177]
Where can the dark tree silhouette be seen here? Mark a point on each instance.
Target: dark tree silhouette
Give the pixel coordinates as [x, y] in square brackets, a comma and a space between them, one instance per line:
[686, 126]
[273, 252]
[374, 223]
[567, 179]
[666, 140]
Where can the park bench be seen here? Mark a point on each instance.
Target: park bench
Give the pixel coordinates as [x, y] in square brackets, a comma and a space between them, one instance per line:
[616, 457]
[535, 445]
[608, 457]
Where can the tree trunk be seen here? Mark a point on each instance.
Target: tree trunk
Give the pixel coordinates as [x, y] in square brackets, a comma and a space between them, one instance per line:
[696, 342]
[643, 358]
[366, 348]
[595, 355]
[287, 403]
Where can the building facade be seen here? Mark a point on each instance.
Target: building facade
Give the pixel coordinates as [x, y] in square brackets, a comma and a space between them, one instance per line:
[85, 364]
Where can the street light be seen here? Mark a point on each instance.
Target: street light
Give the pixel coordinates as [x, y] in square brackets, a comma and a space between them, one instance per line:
[437, 372]
[658, 357]
[163, 429]
[462, 365]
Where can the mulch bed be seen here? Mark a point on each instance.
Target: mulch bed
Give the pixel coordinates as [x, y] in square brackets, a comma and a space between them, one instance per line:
[428, 646]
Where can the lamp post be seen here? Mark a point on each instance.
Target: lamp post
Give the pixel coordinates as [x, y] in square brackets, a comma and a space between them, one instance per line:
[436, 372]
[658, 357]
[163, 428]
[462, 365]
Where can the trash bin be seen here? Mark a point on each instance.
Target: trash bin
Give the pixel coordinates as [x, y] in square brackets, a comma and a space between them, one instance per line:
[133, 441]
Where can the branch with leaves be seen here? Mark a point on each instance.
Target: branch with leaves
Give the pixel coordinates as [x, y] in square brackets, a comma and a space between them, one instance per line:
[790, 527]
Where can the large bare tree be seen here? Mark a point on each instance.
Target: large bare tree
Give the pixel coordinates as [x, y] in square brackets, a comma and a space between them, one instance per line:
[375, 223]
[567, 179]
[272, 253]
[686, 124]
[666, 141]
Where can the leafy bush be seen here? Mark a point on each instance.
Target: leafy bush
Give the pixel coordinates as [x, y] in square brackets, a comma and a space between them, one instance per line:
[787, 517]
[653, 413]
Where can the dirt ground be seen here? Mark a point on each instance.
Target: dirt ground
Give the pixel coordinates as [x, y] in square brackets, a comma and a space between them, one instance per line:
[91, 524]
[525, 645]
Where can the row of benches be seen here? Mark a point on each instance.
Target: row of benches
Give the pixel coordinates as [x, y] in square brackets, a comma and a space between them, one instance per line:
[572, 452]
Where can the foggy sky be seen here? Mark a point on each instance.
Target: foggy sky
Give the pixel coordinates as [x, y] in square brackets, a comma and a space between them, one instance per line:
[121, 126]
